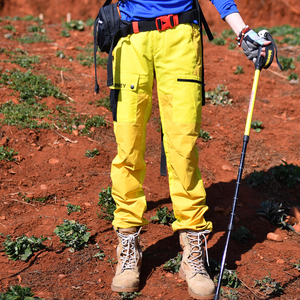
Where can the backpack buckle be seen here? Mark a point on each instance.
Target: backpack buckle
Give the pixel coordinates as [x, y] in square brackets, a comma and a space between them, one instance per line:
[166, 22]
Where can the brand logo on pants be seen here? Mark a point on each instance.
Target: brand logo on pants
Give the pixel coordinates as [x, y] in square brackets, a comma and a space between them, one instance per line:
[120, 85]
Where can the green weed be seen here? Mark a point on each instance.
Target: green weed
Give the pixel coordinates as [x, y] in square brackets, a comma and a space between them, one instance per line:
[99, 255]
[228, 33]
[293, 76]
[219, 41]
[297, 265]
[242, 234]
[204, 135]
[90, 22]
[163, 216]
[274, 213]
[23, 247]
[105, 102]
[7, 154]
[231, 46]
[34, 37]
[229, 279]
[269, 286]
[173, 264]
[287, 63]
[107, 204]
[65, 33]
[10, 27]
[257, 126]
[74, 25]
[73, 208]
[239, 70]
[17, 292]
[127, 295]
[31, 87]
[73, 234]
[87, 60]
[38, 199]
[287, 173]
[36, 28]
[230, 294]
[60, 54]
[25, 115]
[91, 153]
[219, 96]
[21, 58]
[256, 179]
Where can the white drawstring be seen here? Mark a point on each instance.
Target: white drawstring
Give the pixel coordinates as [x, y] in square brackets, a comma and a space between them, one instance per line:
[195, 241]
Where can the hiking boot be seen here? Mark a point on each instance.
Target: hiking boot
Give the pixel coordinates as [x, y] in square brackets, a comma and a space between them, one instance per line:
[192, 269]
[129, 254]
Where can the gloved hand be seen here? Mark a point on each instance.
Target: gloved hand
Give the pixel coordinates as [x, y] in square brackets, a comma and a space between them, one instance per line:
[250, 42]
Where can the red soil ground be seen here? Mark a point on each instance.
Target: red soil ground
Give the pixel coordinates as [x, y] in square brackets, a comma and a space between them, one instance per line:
[52, 163]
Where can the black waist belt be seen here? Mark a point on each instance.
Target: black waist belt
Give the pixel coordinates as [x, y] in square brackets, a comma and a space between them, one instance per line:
[161, 23]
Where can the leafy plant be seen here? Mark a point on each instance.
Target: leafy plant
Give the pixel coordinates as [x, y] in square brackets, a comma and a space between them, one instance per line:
[60, 54]
[99, 255]
[10, 27]
[87, 60]
[34, 38]
[73, 234]
[36, 28]
[107, 204]
[105, 102]
[173, 264]
[287, 173]
[287, 63]
[73, 208]
[21, 58]
[204, 135]
[75, 25]
[297, 265]
[293, 76]
[230, 294]
[242, 234]
[18, 293]
[256, 179]
[257, 125]
[274, 213]
[91, 153]
[23, 247]
[7, 154]
[239, 70]
[219, 41]
[128, 295]
[65, 33]
[229, 279]
[163, 216]
[219, 96]
[269, 286]
[231, 46]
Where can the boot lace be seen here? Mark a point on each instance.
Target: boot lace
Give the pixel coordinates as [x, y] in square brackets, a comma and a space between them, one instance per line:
[195, 256]
[128, 254]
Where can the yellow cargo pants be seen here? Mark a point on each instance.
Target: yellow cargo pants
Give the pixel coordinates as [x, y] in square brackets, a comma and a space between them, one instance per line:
[173, 56]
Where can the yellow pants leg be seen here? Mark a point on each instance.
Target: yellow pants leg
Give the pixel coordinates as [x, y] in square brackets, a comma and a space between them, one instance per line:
[178, 67]
[133, 77]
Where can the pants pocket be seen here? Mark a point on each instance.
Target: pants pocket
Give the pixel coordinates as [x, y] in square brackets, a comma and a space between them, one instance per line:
[187, 99]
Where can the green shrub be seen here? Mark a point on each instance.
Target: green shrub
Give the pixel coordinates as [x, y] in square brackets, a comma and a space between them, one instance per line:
[293, 76]
[7, 154]
[91, 153]
[269, 286]
[287, 63]
[173, 264]
[242, 234]
[18, 293]
[73, 208]
[287, 173]
[204, 135]
[107, 204]
[73, 234]
[257, 125]
[219, 96]
[163, 216]
[23, 247]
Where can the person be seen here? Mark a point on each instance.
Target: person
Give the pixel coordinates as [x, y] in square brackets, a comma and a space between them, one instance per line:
[171, 54]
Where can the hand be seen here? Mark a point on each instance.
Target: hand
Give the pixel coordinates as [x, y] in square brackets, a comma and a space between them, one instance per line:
[250, 44]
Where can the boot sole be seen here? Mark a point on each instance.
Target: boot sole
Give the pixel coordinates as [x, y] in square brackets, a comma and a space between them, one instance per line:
[124, 289]
[192, 294]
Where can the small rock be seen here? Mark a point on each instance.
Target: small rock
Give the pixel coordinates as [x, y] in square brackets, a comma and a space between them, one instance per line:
[8, 35]
[274, 237]
[87, 204]
[75, 132]
[80, 127]
[43, 187]
[3, 141]
[280, 261]
[226, 168]
[68, 174]
[53, 161]
[169, 275]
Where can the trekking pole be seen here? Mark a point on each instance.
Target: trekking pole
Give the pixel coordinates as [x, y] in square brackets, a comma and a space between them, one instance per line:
[261, 62]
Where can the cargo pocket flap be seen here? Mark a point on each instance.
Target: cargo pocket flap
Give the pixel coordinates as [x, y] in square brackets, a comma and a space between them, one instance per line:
[125, 81]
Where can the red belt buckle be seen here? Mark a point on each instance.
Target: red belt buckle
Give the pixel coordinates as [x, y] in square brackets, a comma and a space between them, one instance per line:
[166, 22]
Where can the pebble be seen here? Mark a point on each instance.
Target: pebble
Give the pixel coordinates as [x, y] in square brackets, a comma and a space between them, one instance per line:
[53, 161]
[274, 237]
[295, 212]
